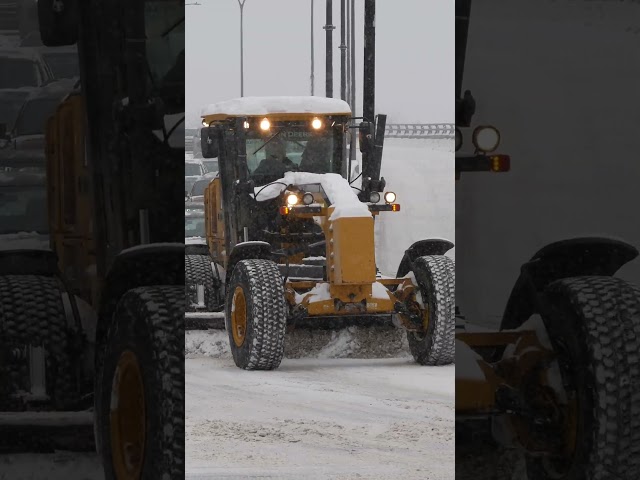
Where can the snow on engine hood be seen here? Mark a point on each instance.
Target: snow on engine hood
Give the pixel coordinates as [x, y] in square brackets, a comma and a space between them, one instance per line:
[340, 193]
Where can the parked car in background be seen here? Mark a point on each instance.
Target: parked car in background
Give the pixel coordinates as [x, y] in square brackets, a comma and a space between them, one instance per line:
[11, 101]
[23, 67]
[193, 170]
[30, 125]
[62, 61]
[211, 166]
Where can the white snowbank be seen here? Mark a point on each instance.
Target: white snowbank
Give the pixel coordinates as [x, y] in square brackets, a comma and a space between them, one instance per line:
[467, 363]
[342, 197]
[24, 240]
[251, 106]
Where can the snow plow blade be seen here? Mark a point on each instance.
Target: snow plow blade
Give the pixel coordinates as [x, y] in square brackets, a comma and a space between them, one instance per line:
[46, 431]
[204, 320]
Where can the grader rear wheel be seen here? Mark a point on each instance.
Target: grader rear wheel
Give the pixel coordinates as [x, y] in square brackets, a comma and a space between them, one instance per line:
[141, 390]
[435, 275]
[256, 314]
[594, 327]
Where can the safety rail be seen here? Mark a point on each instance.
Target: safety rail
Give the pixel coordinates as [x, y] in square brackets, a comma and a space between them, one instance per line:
[420, 130]
[9, 20]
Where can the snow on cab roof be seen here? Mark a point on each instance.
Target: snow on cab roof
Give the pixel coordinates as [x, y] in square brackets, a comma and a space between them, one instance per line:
[256, 106]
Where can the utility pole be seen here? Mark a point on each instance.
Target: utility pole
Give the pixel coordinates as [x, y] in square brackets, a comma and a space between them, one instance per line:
[312, 66]
[352, 89]
[348, 49]
[343, 53]
[329, 55]
[241, 3]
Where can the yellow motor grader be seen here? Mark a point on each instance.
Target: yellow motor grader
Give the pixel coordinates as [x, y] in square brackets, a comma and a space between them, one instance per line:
[296, 238]
[560, 379]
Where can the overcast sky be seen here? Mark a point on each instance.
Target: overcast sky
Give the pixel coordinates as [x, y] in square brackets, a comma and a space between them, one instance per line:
[414, 54]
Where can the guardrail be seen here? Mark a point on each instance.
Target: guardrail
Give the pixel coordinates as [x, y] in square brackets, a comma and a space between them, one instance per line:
[9, 21]
[420, 130]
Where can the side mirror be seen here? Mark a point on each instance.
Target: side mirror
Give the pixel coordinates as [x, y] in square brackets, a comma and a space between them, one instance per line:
[365, 136]
[208, 143]
[58, 22]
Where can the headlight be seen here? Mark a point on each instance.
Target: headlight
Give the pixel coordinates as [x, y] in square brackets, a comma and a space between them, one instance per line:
[246, 124]
[307, 198]
[316, 123]
[292, 199]
[458, 139]
[374, 197]
[265, 124]
[204, 123]
[389, 197]
[486, 138]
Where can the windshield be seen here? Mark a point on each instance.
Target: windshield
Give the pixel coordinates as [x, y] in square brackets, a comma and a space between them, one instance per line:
[193, 226]
[63, 65]
[192, 169]
[18, 72]
[211, 165]
[23, 209]
[9, 109]
[34, 116]
[164, 25]
[292, 149]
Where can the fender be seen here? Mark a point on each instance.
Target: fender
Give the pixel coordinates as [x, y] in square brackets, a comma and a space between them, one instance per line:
[245, 251]
[567, 258]
[140, 266]
[421, 248]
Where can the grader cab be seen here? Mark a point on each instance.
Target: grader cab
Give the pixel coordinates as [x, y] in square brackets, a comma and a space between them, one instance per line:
[296, 238]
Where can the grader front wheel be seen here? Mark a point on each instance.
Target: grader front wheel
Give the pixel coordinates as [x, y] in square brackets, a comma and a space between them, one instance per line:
[435, 345]
[141, 389]
[256, 315]
[594, 327]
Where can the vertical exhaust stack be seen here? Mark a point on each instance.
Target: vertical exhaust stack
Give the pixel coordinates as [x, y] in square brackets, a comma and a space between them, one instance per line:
[369, 83]
[329, 29]
[465, 104]
[372, 151]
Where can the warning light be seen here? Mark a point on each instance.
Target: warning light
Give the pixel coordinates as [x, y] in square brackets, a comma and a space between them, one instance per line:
[395, 207]
[500, 163]
[285, 210]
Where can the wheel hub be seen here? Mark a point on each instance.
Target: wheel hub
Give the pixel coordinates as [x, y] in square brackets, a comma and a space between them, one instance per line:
[127, 419]
[239, 316]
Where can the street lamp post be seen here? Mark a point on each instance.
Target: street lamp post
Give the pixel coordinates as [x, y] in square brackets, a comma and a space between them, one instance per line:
[241, 4]
[312, 66]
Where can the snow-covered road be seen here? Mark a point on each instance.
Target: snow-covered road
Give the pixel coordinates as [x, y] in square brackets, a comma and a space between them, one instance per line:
[320, 418]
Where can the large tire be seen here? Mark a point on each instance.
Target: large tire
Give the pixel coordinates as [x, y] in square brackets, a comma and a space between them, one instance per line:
[435, 275]
[594, 327]
[256, 294]
[144, 374]
[198, 271]
[32, 313]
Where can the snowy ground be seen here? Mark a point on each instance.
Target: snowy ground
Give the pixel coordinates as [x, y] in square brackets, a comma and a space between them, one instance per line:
[343, 405]
[58, 466]
[320, 418]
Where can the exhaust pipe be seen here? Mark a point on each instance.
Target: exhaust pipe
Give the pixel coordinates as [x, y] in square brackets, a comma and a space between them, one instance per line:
[329, 29]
